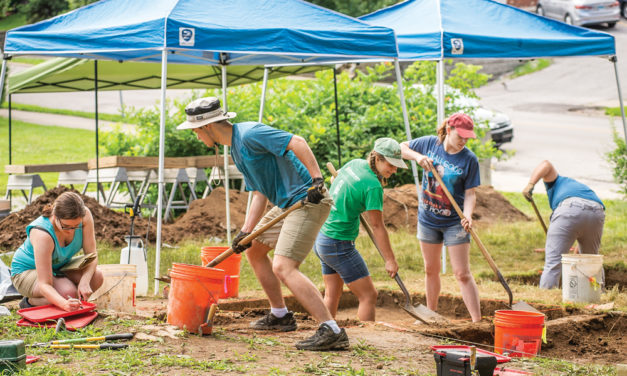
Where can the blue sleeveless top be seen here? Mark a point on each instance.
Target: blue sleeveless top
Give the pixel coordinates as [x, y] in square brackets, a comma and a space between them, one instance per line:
[24, 258]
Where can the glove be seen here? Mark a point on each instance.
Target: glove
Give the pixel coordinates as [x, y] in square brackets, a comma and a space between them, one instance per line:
[315, 193]
[528, 191]
[239, 248]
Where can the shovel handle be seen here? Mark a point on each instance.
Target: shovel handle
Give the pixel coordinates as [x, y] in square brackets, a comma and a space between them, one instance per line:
[535, 208]
[224, 255]
[474, 235]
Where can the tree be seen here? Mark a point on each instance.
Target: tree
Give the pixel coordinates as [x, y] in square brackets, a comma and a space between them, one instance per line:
[354, 8]
[37, 10]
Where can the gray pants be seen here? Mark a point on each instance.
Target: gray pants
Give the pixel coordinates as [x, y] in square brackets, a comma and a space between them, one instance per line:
[574, 219]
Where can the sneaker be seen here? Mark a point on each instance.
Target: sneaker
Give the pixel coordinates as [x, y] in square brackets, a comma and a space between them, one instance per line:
[24, 303]
[324, 339]
[286, 323]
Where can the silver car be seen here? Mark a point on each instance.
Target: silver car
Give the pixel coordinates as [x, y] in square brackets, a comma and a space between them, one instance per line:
[581, 12]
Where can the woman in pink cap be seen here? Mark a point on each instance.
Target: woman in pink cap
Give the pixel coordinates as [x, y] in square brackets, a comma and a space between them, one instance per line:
[438, 221]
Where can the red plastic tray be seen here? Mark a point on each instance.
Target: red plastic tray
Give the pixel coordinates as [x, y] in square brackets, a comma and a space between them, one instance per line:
[441, 349]
[51, 312]
[71, 323]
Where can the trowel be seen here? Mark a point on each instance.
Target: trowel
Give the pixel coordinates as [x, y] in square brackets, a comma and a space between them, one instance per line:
[421, 312]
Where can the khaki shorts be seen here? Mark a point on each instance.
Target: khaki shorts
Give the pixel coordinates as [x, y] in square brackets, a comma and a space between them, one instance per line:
[25, 282]
[294, 236]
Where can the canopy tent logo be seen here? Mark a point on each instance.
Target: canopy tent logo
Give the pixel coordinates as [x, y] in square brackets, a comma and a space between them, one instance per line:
[186, 36]
[457, 46]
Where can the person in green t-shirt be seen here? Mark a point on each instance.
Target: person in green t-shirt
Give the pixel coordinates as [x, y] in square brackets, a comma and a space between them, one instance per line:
[358, 188]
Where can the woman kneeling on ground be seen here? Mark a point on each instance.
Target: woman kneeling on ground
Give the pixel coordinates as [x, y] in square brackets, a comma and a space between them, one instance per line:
[45, 269]
[438, 221]
[357, 189]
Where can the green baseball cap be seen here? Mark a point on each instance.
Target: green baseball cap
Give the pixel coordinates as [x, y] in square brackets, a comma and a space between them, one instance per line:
[391, 150]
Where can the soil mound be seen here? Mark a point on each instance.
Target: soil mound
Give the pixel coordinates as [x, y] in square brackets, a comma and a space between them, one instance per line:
[400, 207]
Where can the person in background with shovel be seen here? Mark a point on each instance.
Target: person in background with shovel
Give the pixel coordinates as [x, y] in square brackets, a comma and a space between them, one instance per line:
[438, 222]
[45, 269]
[578, 214]
[280, 167]
[357, 188]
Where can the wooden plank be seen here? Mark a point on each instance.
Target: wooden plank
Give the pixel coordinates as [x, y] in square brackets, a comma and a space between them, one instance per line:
[136, 163]
[30, 169]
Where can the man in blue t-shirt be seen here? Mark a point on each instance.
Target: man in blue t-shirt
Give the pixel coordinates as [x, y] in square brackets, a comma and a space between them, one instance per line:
[278, 167]
[578, 214]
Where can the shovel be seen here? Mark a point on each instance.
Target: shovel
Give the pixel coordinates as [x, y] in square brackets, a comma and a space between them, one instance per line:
[421, 312]
[224, 255]
[483, 249]
[535, 208]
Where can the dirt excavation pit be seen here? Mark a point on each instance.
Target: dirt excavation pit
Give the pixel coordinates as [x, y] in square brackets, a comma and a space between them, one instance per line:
[576, 335]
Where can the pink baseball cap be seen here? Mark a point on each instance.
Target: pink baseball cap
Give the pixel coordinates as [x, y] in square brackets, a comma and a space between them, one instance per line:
[463, 123]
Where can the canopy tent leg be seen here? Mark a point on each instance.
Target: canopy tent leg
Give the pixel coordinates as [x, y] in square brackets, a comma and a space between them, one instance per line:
[614, 60]
[96, 118]
[441, 113]
[2, 77]
[226, 161]
[337, 121]
[262, 105]
[401, 94]
[161, 184]
[10, 131]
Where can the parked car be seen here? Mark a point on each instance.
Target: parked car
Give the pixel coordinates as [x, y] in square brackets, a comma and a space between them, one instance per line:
[582, 12]
[501, 128]
[623, 8]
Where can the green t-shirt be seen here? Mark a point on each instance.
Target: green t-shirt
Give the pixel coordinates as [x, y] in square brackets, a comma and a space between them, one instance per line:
[355, 189]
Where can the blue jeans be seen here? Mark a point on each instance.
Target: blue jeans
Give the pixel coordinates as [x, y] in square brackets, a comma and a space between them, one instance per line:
[341, 257]
[452, 235]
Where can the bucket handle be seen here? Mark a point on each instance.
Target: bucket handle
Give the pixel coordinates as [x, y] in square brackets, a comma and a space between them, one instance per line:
[592, 279]
[212, 297]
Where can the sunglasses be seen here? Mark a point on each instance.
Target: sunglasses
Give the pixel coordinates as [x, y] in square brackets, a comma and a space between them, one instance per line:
[67, 228]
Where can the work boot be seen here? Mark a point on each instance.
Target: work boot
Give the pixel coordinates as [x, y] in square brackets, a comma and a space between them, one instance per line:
[324, 339]
[24, 303]
[286, 323]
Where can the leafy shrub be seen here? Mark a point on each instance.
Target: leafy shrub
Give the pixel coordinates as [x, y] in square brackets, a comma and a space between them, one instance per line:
[37, 10]
[368, 110]
[618, 158]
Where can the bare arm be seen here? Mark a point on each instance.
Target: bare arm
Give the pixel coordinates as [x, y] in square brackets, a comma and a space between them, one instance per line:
[375, 219]
[43, 247]
[89, 246]
[407, 153]
[470, 199]
[257, 208]
[545, 171]
[303, 152]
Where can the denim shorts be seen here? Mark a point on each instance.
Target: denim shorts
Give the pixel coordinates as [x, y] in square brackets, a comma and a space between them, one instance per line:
[452, 235]
[341, 257]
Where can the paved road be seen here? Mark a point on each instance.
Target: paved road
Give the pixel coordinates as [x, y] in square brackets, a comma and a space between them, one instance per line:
[554, 115]
[540, 105]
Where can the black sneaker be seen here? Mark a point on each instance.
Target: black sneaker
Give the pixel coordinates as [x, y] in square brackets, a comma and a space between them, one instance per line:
[286, 323]
[324, 339]
[24, 303]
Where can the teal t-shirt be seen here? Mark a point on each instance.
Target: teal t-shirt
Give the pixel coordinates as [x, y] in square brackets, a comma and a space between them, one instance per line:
[355, 190]
[260, 153]
[563, 187]
[24, 258]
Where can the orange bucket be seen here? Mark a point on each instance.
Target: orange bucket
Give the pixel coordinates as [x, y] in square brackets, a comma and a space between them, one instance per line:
[193, 290]
[518, 333]
[230, 266]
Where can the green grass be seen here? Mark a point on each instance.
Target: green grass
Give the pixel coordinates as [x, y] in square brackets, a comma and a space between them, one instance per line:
[28, 60]
[614, 111]
[12, 21]
[37, 144]
[59, 111]
[530, 67]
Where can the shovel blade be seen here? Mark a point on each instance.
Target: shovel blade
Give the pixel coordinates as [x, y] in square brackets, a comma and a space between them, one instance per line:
[424, 314]
[522, 306]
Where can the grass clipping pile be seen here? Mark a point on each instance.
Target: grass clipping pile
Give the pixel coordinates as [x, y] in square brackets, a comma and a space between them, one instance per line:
[207, 217]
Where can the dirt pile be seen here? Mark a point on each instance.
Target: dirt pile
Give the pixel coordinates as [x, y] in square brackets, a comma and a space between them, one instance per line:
[400, 207]
[206, 217]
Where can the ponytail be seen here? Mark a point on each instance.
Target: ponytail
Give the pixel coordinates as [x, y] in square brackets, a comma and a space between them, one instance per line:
[441, 132]
[373, 157]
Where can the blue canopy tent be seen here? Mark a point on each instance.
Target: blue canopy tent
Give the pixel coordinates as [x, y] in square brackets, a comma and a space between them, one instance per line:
[452, 29]
[218, 32]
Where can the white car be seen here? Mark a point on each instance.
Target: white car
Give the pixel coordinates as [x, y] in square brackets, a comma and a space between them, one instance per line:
[581, 12]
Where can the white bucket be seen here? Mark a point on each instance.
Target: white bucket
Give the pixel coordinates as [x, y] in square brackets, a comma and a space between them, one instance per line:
[137, 257]
[117, 292]
[582, 278]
